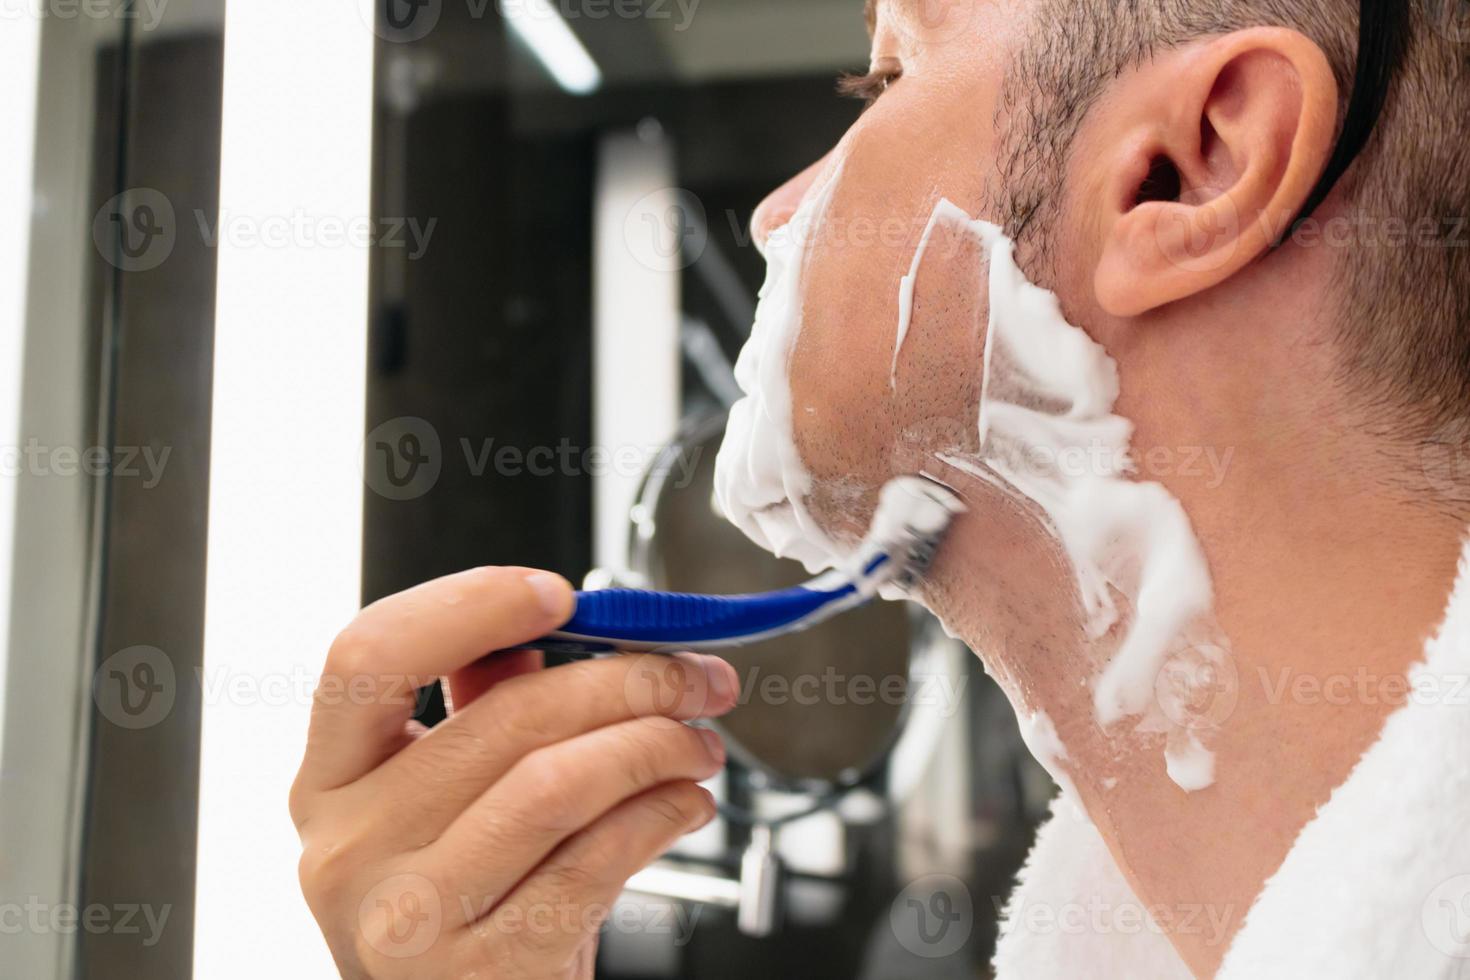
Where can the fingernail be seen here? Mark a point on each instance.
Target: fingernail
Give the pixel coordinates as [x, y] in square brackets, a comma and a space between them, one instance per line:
[714, 744]
[724, 683]
[553, 592]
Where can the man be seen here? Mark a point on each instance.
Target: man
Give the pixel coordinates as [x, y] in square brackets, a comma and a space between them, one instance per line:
[1295, 381]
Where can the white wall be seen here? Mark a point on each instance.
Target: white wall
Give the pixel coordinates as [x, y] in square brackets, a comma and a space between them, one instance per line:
[20, 40]
[637, 260]
[285, 510]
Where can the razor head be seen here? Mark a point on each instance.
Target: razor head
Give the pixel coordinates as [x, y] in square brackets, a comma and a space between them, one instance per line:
[913, 515]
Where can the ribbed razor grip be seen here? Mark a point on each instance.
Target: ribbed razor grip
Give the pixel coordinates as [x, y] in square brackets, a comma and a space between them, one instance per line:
[672, 617]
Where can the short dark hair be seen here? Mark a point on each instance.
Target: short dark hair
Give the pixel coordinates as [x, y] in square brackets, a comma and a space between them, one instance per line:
[1404, 282]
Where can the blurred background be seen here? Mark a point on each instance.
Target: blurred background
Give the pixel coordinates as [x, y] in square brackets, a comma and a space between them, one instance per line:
[303, 304]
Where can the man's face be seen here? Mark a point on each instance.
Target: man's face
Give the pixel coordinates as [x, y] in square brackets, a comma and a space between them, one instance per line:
[861, 415]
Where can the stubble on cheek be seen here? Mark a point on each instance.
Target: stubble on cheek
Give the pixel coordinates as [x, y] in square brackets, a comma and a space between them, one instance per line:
[860, 416]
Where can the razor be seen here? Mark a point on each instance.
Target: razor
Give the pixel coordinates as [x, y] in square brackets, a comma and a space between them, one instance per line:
[913, 514]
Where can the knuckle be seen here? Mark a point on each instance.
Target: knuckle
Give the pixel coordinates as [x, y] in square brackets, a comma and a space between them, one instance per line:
[542, 940]
[311, 871]
[492, 580]
[354, 651]
[520, 714]
[640, 759]
[297, 802]
[631, 686]
[485, 577]
[656, 756]
[572, 880]
[692, 750]
[451, 748]
[678, 807]
[323, 870]
[548, 796]
[590, 675]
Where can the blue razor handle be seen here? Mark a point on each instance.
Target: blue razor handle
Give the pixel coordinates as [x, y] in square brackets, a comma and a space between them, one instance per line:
[639, 621]
[913, 514]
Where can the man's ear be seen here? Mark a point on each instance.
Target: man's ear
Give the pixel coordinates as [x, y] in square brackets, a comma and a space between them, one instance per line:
[1201, 159]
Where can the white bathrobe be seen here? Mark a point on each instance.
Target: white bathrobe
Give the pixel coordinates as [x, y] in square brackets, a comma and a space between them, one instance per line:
[1377, 885]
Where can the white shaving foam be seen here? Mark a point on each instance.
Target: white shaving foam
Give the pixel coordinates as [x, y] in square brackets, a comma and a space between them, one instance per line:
[1045, 745]
[761, 484]
[1047, 433]
[906, 302]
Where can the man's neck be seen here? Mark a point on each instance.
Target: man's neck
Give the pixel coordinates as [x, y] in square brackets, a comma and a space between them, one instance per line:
[1325, 596]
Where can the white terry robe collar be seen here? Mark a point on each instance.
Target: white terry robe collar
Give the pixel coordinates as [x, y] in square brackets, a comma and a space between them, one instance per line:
[1376, 886]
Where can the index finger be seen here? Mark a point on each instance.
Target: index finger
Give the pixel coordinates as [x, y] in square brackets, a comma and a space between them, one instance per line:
[406, 641]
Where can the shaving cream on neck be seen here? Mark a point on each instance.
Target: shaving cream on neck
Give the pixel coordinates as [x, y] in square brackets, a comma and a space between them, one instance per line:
[1047, 434]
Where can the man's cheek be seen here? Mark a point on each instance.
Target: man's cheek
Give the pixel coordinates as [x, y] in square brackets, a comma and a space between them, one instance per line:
[842, 404]
[877, 393]
[844, 431]
[939, 350]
